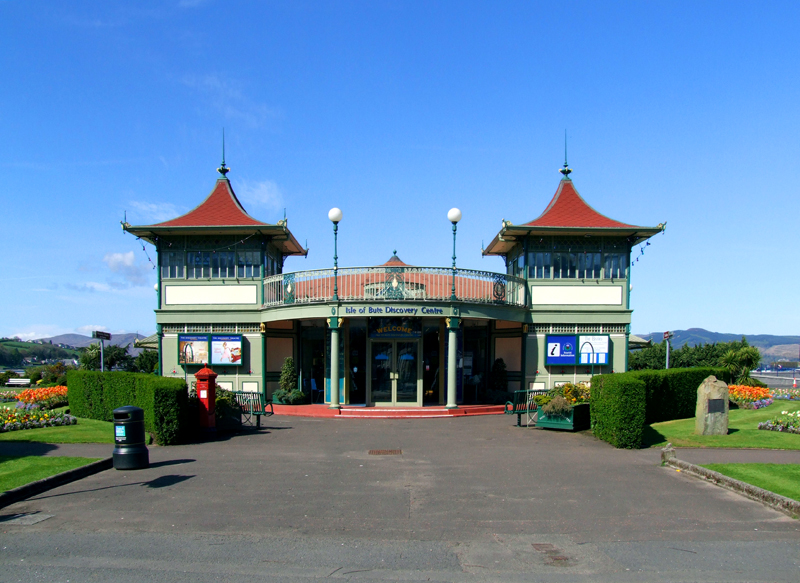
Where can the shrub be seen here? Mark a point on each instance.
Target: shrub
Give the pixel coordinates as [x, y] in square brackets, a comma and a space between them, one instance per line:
[557, 407]
[284, 397]
[288, 378]
[618, 409]
[165, 401]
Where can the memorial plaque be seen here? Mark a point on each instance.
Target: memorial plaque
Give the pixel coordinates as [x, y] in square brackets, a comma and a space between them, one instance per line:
[716, 405]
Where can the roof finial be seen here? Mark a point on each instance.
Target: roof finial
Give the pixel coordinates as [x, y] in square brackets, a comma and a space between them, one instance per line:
[566, 171]
[223, 169]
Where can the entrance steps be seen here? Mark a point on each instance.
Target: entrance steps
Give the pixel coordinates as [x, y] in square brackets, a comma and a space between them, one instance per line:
[417, 412]
[353, 412]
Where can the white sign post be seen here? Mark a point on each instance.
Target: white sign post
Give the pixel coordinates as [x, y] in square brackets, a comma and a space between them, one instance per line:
[102, 336]
[667, 336]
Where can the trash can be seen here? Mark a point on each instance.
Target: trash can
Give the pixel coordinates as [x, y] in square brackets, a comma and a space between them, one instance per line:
[130, 452]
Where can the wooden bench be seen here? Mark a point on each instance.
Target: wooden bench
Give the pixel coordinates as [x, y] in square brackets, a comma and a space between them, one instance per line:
[524, 404]
[253, 404]
[18, 383]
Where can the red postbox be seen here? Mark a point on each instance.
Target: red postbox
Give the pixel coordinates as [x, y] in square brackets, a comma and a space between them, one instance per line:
[207, 394]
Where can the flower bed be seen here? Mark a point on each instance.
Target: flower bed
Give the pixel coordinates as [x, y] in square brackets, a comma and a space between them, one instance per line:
[46, 397]
[6, 396]
[30, 416]
[749, 397]
[786, 394]
[785, 422]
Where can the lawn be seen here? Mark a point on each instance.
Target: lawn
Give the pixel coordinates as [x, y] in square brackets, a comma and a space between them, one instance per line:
[743, 431]
[783, 479]
[86, 431]
[18, 471]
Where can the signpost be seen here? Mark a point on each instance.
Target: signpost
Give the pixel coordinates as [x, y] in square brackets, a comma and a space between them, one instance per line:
[667, 336]
[102, 336]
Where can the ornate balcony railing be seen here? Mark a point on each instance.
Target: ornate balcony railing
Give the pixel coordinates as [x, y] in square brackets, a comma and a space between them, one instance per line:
[395, 284]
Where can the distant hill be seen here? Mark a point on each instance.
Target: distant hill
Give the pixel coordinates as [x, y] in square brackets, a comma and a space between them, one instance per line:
[79, 340]
[777, 347]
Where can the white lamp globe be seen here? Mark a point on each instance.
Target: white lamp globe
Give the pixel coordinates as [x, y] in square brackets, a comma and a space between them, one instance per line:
[335, 215]
[155, 287]
[454, 215]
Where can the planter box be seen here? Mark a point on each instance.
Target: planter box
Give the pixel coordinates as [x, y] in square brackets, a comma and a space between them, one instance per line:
[577, 420]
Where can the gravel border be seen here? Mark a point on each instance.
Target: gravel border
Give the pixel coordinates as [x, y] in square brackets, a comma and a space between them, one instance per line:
[771, 499]
[39, 486]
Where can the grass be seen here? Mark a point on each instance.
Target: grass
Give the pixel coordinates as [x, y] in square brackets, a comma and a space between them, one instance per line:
[783, 479]
[743, 431]
[86, 431]
[18, 471]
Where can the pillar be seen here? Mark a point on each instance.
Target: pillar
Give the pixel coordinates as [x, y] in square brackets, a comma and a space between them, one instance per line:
[452, 364]
[334, 324]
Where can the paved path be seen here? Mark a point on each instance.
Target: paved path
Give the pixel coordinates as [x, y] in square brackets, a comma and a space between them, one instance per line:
[472, 499]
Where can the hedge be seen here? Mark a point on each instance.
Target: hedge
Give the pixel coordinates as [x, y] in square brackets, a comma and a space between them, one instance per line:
[618, 410]
[95, 395]
[668, 394]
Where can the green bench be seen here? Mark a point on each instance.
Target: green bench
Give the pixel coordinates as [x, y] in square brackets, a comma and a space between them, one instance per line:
[253, 405]
[524, 404]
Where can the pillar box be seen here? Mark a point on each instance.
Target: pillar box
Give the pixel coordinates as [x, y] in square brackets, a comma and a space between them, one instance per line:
[207, 395]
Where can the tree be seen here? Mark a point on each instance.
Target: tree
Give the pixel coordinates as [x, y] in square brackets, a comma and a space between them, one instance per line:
[90, 357]
[288, 379]
[740, 362]
[147, 361]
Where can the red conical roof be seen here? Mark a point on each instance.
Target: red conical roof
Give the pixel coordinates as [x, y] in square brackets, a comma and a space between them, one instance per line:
[220, 209]
[568, 209]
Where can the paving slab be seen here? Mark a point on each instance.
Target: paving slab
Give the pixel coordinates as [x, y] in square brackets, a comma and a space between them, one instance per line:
[464, 499]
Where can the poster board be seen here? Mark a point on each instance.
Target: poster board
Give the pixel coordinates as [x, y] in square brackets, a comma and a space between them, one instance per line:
[193, 349]
[226, 349]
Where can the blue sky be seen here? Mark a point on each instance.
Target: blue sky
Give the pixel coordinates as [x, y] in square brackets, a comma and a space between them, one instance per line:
[685, 112]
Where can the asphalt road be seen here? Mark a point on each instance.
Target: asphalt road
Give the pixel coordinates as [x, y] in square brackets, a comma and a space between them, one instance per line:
[471, 499]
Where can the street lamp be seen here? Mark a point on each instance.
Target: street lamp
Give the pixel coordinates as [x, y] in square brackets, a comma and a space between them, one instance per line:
[454, 215]
[335, 215]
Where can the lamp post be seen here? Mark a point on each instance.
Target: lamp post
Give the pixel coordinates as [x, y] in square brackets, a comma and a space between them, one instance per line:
[454, 215]
[335, 215]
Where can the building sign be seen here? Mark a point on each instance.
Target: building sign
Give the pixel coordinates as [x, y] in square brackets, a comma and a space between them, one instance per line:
[226, 349]
[395, 328]
[593, 349]
[392, 310]
[561, 350]
[192, 348]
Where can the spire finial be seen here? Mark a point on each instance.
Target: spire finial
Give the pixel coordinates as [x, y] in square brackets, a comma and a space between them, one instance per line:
[223, 169]
[566, 171]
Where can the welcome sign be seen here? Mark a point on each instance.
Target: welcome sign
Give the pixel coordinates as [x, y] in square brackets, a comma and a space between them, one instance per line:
[395, 328]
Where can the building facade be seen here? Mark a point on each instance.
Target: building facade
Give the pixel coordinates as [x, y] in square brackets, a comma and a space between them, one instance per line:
[393, 334]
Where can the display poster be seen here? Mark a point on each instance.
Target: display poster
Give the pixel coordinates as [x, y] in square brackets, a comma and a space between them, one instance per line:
[226, 349]
[562, 350]
[192, 348]
[593, 349]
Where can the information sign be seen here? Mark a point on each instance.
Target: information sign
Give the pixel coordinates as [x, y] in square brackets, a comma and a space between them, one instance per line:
[593, 349]
[561, 350]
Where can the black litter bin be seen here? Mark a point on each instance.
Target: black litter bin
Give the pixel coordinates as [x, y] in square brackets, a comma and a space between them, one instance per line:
[130, 452]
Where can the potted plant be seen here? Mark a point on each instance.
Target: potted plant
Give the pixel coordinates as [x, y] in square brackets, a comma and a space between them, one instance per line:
[288, 393]
[566, 407]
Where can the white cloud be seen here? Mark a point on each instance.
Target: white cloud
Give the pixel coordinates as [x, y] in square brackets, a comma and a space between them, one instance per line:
[155, 212]
[89, 286]
[125, 265]
[227, 97]
[264, 194]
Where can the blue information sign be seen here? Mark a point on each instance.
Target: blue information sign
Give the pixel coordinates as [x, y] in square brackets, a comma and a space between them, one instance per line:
[562, 350]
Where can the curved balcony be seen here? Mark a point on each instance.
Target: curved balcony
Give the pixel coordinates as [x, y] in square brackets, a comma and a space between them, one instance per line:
[395, 284]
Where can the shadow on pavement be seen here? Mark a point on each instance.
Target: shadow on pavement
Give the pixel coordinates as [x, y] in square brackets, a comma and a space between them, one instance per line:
[170, 463]
[166, 481]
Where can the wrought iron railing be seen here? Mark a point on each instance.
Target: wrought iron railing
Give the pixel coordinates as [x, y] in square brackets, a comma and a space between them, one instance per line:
[411, 284]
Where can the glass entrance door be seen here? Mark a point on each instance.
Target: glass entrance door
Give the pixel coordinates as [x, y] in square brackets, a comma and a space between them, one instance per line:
[394, 373]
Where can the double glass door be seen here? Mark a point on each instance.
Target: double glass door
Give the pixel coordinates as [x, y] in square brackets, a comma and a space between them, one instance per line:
[394, 373]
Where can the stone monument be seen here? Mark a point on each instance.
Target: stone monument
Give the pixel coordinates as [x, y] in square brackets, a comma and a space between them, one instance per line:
[711, 415]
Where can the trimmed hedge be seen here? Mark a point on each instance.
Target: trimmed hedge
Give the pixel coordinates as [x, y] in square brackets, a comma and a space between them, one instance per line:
[668, 394]
[618, 410]
[165, 401]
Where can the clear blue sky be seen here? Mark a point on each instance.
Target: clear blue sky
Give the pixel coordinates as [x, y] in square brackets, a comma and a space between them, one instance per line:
[396, 111]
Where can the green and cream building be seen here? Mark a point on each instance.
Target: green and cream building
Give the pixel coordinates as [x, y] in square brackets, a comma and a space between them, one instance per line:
[393, 334]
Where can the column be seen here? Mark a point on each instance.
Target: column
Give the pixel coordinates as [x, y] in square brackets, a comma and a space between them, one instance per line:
[160, 334]
[452, 364]
[334, 324]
